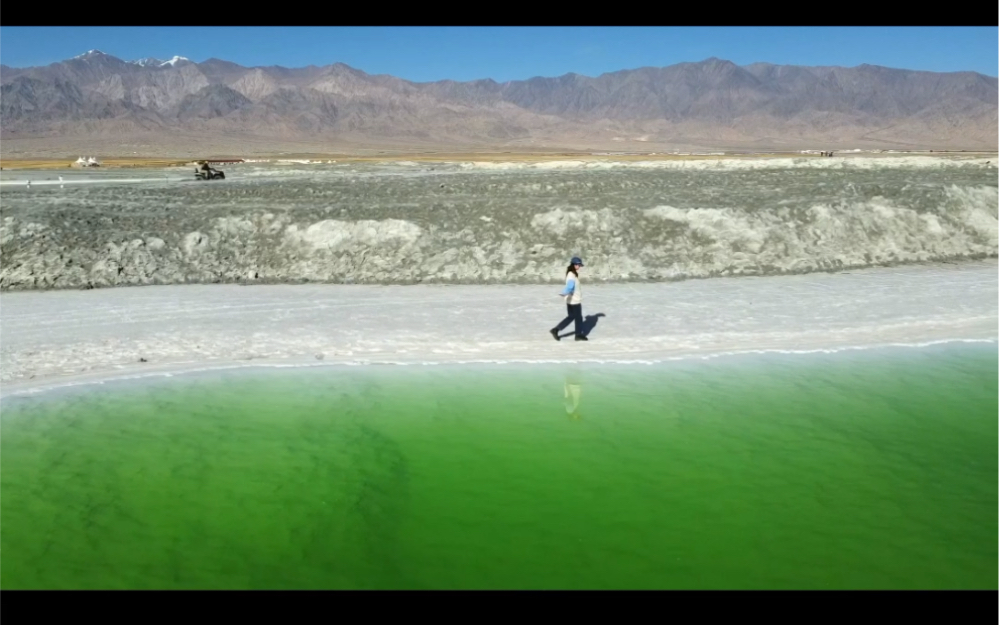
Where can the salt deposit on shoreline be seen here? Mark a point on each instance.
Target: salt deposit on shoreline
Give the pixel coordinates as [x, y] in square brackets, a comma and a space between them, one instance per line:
[503, 222]
[58, 337]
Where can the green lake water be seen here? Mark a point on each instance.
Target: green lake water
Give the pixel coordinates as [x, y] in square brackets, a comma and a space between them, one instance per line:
[864, 469]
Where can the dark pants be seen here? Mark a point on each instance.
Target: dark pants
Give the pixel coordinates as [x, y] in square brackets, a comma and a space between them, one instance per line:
[575, 314]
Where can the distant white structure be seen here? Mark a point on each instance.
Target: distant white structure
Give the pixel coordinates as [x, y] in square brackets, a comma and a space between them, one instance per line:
[88, 161]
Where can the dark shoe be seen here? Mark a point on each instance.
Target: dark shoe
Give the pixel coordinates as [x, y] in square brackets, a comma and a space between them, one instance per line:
[555, 334]
[580, 337]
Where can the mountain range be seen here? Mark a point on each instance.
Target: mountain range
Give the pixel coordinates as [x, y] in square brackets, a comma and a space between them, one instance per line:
[98, 98]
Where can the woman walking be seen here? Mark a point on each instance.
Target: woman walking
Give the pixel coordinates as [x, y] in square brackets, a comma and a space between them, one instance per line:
[573, 300]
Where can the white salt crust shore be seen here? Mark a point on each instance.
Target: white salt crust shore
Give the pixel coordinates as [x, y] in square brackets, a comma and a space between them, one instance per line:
[59, 338]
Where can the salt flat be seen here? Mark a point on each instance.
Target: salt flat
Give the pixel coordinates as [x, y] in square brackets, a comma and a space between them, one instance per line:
[58, 337]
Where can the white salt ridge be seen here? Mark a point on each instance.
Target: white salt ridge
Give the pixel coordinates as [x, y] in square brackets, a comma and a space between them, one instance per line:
[95, 180]
[292, 168]
[70, 337]
[410, 168]
[903, 162]
[710, 241]
[331, 233]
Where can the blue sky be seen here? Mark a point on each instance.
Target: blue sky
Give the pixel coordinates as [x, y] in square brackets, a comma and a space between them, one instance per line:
[515, 53]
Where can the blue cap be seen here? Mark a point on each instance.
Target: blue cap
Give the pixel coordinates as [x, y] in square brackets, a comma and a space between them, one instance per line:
[576, 260]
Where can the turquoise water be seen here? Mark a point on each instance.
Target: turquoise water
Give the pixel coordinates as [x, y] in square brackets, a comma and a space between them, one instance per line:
[865, 469]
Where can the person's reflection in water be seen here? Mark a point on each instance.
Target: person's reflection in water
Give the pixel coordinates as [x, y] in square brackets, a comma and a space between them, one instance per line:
[572, 390]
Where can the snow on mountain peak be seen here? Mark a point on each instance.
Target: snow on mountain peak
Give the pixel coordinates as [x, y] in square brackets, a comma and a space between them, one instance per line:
[150, 61]
[146, 62]
[89, 53]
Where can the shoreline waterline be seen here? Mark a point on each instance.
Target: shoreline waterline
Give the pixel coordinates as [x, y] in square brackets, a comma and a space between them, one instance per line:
[188, 370]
